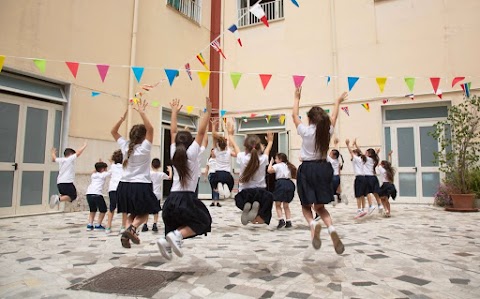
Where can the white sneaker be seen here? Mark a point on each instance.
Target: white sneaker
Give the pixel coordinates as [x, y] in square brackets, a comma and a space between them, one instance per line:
[54, 200]
[371, 209]
[380, 209]
[175, 242]
[335, 201]
[122, 229]
[220, 190]
[165, 248]
[246, 208]
[345, 200]
[226, 191]
[108, 230]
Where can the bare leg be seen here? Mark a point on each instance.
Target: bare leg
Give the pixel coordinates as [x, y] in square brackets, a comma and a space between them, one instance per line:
[360, 202]
[377, 198]
[186, 231]
[101, 216]
[307, 213]
[65, 198]
[286, 208]
[91, 217]
[278, 208]
[155, 218]
[369, 199]
[258, 220]
[109, 219]
[323, 213]
[129, 220]
[124, 219]
[139, 220]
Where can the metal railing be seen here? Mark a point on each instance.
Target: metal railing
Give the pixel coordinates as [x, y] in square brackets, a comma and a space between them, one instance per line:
[273, 11]
[188, 8]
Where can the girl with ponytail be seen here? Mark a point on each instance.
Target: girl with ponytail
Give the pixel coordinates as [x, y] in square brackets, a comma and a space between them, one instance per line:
[135, 192]
[360, 185]
[222, 178]
[253, 199]
[184, 215]
[284, 187]
[314, 177]
[333, 157]
[387, 190]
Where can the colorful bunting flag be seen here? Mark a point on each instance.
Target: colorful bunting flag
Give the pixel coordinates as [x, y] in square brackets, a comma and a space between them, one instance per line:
[103, 70]
[345, 109]
[95, 93]
[138, 72]
[233, 29]
[410, 81]
[327, 110]
[203, 75]
[366, 106]
[235, 78]
[189, 109]
[267, 118]
[281, 119]
[411, 96]
[73, 67]
[253, 115]
[222, 112]
[295, 3]
[456, 80]
[257, 11]
[439, 93]
[298, 80]
[245, 120]
[351, 82]
[155, 104]
[466, 88]
[171, 75]
[265, 78]
[41, 64]
[147, 87]
[189, 72]
[2, 60]
[381, 81]
[216, 45]
[202, 61]
[384, 101]
[328, 80]
[435, 83]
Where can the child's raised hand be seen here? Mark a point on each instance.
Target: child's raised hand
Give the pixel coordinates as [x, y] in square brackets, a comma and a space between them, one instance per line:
[390, 153]
[208, 104]
[175, 105]
[230, 128]
[347, 141]
[343, 97]
[271, 161]
[141, 106]
[298, 93]
[269, 137]
[335, 141]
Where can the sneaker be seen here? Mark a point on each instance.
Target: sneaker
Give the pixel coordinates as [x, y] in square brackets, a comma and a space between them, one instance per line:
[145, 228]
[131, 234]
[54, 200]
[220, 191]
[371, 209]
[218, 204]
[288, 224]
[175, 242]
[281, 223]
[316, 242]
[337, 243]
[154, 228]
[99, 227]
[246, 208]
[335, 200]
[254, 211]
[226, 191]
[89, 227]
[339, 198]
[108, 230]
[387, 213]
[165, 248]
[380, 209]
[212, 204]
[345, 200]
[360, 214]
[122, 229]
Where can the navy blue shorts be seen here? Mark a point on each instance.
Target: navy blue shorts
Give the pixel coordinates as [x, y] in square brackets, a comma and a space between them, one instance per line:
[96, 203]
[67, 189]
[360, 186]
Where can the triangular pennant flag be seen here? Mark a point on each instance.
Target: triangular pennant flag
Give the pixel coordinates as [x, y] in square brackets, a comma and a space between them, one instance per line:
[2, 60]
[328, 79]
[327, 110]
[411, 96]
[203, 75]
[410, 83]
[202, 61]
[225, 120]
[351, 82]
[381, 81]
[155, 104]
[189, 72]
[435, 82]
[295, 3]
[235, 78]
[138, 72]
[189, 109]
[466, 88]
[222, 112]
[171, 75]
[95, 93]
[41, 64]
[103, 70]
[366, 106]
[456, 80]
[147, 87]
[265, 79]
[298, 80]
[233, 29]
[216, 45]
[257, 11]
[267, 118]
[245, 120]
[281, 119]
[384, 101]
[253, 115]
[73, 67]
[439, 93]
[345, 109]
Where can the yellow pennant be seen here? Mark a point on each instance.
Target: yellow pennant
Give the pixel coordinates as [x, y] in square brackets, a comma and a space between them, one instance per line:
[282, 119]
[366, 106]
[203, 75]
[381, 81]
[268, 118]
[189, 109]
[2, 60]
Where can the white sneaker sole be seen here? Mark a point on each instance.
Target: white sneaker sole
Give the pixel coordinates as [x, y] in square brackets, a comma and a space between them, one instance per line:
[163, 250]
[53, 201]
[226, 191]
[316, 242]
[370, 211]
[254, 211]
[220, 191]
[175, 248]
[337, 243]
[246, 208]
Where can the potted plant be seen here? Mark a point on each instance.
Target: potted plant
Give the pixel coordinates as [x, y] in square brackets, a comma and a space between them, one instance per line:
[458, 157]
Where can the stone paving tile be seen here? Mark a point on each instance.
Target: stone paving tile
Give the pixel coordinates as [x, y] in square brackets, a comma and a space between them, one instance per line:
[416, 254]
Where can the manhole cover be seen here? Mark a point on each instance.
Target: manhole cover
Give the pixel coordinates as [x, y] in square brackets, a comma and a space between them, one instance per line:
[128, 281]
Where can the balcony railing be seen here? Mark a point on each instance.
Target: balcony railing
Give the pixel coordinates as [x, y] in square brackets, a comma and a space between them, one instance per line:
[188, 8]
[273, 11]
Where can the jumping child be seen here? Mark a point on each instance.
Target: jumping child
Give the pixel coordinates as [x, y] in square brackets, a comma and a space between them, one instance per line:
[360, 185]
[333, 158]
[387, 190]
[116, 170]
[222, 179]
[209, 174]
[95, 199]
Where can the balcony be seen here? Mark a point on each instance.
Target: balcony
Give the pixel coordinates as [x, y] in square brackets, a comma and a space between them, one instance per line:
[189, 8]
[273, 11]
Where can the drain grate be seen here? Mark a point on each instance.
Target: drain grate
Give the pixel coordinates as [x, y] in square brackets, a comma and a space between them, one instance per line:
[128, 281]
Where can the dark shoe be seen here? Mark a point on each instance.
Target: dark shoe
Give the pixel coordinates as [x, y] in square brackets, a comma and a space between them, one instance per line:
[281, 223]
[218, 204]
[131, 234]
[145, 228]
[154, 228]
[288, 224]
[339, 198]
[337, 243]
[212, 204]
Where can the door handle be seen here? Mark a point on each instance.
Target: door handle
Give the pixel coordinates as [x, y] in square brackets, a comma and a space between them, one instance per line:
[415, 168]
[15, 165]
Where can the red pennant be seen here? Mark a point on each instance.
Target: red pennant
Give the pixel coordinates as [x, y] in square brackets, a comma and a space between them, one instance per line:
[435, 82]
[265, 79]
[73, 66]
[456, 80]
[253, 115]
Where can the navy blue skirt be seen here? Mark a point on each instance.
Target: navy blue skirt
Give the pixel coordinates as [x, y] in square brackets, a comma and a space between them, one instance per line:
[314, 182]
[372, 184]
[183, 208]
[223, 177]
[264, 198]
[137, 199]
[388, 190]
[284, 190]
[360, 186]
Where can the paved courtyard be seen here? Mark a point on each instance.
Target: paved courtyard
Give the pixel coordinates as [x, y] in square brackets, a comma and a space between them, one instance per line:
[420, 252]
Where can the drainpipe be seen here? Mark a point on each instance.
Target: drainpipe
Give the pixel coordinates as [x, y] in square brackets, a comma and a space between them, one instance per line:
[214, 85]
[133, 54]
[333, 40]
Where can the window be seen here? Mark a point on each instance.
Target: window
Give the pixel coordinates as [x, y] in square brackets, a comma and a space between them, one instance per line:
[273, 10]
[192, 9]
[260, 124]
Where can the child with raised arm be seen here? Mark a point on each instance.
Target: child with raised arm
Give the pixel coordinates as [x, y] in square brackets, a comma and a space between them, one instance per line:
[253, 198]
[222, 179]
[66, 175]
[209, 175]
[387, 190]
[183, 214]
[360, 185]
[284, 187]
[314, 177]
[95, 199]
[135, 191]
[116, 170]
[333, 158]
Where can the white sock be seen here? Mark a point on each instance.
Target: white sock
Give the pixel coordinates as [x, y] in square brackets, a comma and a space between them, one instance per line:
[288, 220]
[178, 234]
[312, 223]
[331, 229]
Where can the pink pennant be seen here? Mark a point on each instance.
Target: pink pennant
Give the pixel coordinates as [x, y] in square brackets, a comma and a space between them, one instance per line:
[345, 109]
[456, 80]
[103, 70]
[384, 101]
[298, 80]
[73, 66]
[435, 82]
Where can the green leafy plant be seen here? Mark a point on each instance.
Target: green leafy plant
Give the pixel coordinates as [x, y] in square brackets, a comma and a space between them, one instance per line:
[459, 139]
